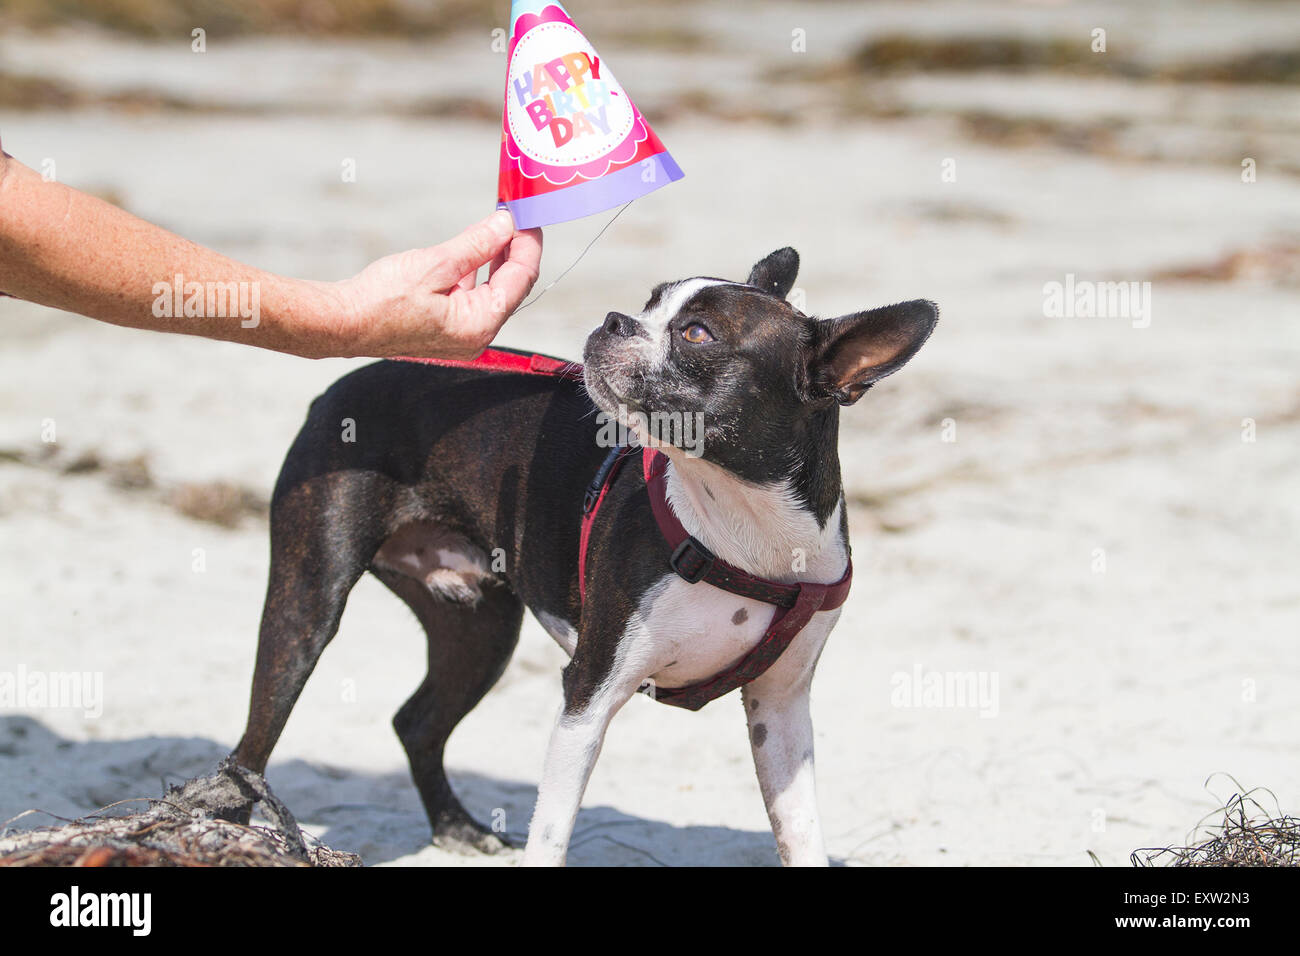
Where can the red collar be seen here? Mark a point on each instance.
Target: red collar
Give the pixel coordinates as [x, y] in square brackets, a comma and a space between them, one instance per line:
[795, 603]
[510, 360]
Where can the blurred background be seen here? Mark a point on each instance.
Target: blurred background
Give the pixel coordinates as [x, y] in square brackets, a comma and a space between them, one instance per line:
[1099, 510]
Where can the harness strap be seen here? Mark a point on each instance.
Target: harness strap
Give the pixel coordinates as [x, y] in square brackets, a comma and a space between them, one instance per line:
[591, 503]
[795, 603]
[694, 562]
[786, 625]
[510, 360]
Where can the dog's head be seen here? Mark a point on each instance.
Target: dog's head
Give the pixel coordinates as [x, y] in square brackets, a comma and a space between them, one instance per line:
[730, 371]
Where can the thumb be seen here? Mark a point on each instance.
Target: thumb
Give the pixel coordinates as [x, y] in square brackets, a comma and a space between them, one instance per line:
[475, 246]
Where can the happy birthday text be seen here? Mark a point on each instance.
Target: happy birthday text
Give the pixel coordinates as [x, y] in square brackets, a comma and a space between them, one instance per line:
[567, 96]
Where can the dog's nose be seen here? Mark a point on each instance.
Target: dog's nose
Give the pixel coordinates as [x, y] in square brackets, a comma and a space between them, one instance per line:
[616, 323]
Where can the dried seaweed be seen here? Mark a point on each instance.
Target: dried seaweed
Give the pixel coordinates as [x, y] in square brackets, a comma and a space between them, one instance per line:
[182, 829]
[1248, 834]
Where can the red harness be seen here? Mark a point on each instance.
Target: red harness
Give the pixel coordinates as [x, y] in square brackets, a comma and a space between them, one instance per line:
[510, 360]
[795, 603]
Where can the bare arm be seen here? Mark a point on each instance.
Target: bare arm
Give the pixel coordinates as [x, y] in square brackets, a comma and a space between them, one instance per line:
[63, 248]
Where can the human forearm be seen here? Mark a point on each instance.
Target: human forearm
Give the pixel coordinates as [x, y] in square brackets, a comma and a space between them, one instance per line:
[69, 250]
[65, 249]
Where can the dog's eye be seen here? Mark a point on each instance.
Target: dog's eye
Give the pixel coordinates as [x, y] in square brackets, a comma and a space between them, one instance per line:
[696, 334]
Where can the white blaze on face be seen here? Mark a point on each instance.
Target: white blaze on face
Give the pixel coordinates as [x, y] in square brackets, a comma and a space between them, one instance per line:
[657, 320]
[649, 352]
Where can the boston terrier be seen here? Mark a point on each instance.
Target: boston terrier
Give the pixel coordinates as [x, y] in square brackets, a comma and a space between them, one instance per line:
[712, 558]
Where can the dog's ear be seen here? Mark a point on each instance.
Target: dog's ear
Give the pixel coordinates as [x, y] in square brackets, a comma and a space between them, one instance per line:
[776, 273]
[853, 352]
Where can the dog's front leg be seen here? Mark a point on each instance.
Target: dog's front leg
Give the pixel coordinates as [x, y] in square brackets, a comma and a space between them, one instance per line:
[781, 739]
[575, 744]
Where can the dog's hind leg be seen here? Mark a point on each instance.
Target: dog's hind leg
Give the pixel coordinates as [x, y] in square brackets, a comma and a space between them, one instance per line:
[313, 569]
[470, 645]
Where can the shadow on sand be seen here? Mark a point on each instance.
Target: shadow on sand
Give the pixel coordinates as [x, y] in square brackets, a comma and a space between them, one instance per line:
[377, 815]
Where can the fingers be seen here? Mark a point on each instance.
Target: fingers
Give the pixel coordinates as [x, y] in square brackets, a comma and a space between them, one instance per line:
[500, 258]
[480, 312]
[474, 247]
[512, 280]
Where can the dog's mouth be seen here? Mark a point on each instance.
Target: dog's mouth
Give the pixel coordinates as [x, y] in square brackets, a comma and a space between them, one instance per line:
[606, 397]
[629, 414]
[638, 425]
[602, 396]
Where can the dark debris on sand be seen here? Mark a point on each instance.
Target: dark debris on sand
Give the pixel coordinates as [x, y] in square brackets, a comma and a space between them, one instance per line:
[184, 828]
[1249, 835]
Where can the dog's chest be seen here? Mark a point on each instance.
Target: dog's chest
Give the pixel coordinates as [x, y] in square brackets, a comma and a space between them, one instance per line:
[686, 633]
[691, 632]
[683, 633]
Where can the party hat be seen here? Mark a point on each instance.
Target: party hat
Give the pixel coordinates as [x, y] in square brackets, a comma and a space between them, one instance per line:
[572, 141]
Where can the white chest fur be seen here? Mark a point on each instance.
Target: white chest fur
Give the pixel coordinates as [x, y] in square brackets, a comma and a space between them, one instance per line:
[687, 633]
[684, 633]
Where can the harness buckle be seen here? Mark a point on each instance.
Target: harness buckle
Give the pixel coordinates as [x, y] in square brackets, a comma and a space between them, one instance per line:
[692, 567]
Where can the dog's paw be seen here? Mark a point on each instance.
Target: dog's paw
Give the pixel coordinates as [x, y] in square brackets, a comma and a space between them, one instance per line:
[240, 814]
[226, 794]
[467, 838]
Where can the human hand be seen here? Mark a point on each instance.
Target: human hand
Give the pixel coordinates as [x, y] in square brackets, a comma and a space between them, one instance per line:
[428, 303]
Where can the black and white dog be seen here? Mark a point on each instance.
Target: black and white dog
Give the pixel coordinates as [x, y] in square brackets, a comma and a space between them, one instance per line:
[463, 493]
